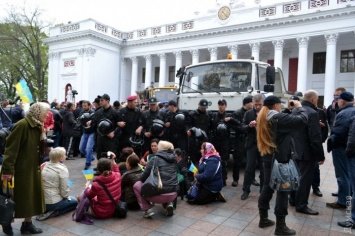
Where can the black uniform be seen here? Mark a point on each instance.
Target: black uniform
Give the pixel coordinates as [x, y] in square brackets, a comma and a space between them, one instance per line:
[133, 119]
[200, 120]
[104, 143]
[176, 134]
[147, 121]
[239, 152]
[221, 143]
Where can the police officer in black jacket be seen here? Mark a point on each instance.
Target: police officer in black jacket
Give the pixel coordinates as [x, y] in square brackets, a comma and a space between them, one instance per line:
[130, 121]
[239, 144]
[199, 118]
[175, 122]
[221, 124]
[308, 143]
[108, 142]
[253, 155]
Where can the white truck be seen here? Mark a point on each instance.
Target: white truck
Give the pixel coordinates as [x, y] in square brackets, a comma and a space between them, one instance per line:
[232, 80]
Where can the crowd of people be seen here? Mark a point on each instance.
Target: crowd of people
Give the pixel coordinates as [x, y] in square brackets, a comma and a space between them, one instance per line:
[130, 142]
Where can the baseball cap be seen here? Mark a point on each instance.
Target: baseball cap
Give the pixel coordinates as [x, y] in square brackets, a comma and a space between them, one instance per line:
[346, 96]
[153, 100]
[223, 101]
[271, 100]
[97, 100]
[203, 103]
[172, 103]
[105, 96]
[247, 100]
[293, 97]
[131, 98]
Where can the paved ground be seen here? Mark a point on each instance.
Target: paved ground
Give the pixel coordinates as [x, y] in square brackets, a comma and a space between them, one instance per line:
[235, 217]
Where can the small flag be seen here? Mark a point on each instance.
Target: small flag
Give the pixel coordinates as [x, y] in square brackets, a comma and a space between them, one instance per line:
[10, 184]
[193, 168]
[24, 91]
[140, 166]
[70, 183]
[89, 174]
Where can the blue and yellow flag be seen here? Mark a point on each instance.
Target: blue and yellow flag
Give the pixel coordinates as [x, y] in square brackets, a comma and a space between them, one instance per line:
[24, 91]
[193, 168]
[89, 174]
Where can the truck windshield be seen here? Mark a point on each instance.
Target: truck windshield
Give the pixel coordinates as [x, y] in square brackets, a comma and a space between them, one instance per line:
[165, 94]
[218, 77]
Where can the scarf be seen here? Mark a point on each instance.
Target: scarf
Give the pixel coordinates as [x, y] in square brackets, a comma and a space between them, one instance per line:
[210, 151]
[36, 111]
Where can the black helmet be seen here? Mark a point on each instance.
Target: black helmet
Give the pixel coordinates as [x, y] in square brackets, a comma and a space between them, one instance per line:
[157, 127]
[85, 118]
[199, 134]
[136, 141]
[180, 121]
[105, 127]
[221, 131]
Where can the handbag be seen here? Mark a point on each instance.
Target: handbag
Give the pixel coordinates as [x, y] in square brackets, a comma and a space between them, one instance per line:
[7, 207]
[193, 191]
[284, 176]
[153, 185]
[120, 209]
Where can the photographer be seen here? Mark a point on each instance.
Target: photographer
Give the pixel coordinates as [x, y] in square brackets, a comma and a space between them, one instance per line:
[69, 131]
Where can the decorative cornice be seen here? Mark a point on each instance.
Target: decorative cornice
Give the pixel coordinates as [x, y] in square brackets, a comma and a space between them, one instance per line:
[278, 44]
[331, 38]
[303, 42]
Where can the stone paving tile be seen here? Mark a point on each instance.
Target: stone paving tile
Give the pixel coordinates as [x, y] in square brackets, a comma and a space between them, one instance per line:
[214, 219]
[102, 232]
[194, 232]
[183, 221]
[204, 226]
[225, 230]
[136, 230]
[171, 229]
[236, 224]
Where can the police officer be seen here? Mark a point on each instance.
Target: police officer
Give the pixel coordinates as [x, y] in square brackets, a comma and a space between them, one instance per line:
[199, 118]
[175, 122]
[221, 123]
[239, 144]
[130, 121]
[253, 155]
[107, 142]
[151, 131]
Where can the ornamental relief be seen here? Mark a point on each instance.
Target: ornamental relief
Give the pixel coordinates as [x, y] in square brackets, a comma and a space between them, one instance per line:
[129, 35]
[142, 33]
[116, 33]
[101, 28]
[171, 28]
[265, 12]
[292, 7]
[86, 51]
[318, 3]
[68, 28]
[156, 30]
[187, 25]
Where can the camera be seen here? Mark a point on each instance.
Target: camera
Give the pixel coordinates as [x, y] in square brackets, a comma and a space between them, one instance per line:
[107, 154]
[292, 104]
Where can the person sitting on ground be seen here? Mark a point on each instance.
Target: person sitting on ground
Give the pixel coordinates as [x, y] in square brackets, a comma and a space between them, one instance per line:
[101, 205]
[150, 153]
[209, 176]
[55, 177]
[125, 153]
[132, 175]
[165, 161]
[183, 169]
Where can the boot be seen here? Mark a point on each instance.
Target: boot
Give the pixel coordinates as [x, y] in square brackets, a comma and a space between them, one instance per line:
[264, 221]
[281, 228]
[29, 228]
[7, 229]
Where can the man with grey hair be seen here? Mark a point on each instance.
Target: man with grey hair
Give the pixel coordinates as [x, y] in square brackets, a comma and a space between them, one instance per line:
[308, 147]
[253, 155]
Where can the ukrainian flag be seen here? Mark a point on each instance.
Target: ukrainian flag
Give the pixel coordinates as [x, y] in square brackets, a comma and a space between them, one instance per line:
[24, 91]
[193, 168]
[89, 174]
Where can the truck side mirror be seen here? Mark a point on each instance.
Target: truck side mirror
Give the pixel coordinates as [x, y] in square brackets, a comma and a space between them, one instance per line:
[270, 75]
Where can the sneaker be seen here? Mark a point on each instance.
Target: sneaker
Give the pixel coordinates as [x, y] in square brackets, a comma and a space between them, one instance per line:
[148, 213]
[87, 166]
[220, 197]
[235, 184]
[335, 205]
[169, 210]
[347, 224]
[45, 216]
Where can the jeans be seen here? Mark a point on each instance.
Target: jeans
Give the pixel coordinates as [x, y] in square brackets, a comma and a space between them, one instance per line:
[351, 165]
[63, 206]
[144, 203]
[267, 192]
[340, 162]
[57, 137]
[86, 146]
[253, 156]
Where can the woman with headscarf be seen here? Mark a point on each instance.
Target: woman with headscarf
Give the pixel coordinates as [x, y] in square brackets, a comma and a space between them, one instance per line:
[209, 176]
[274, 140]
[22, 158]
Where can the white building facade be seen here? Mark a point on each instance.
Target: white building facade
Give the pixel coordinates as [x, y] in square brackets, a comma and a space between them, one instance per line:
[312, 41]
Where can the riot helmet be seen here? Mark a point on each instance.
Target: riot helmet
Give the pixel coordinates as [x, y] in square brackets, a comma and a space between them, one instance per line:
[85, 118]
[199, 134]
[157, 127]
[105, 127]
[221, 131]
[180, 121]
[136, 141]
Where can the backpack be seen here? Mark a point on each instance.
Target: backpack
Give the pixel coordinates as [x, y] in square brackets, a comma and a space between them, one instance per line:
[80, 214]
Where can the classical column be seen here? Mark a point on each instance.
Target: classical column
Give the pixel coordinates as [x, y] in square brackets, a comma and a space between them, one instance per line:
[148, 70]
[178, 63]
[195, 56]
[214, 53]
[255, 50]
[233, 49]
[162, 71]
[302, 64]
[134, 79]
[53, 77]
[123, 80]
[278, 45]
[329, 83]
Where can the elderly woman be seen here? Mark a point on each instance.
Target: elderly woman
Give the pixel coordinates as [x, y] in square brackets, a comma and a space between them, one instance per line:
[56, 188]
[165, 160]
[22, 158]
[209, 176]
